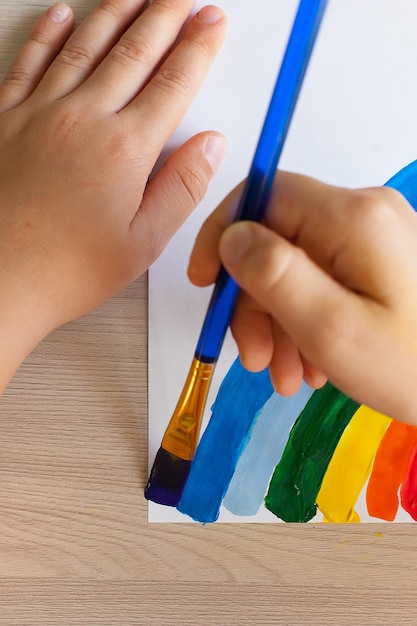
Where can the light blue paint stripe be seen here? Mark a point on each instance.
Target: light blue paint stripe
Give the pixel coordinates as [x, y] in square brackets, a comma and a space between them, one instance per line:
[263, 452]
[241, 396]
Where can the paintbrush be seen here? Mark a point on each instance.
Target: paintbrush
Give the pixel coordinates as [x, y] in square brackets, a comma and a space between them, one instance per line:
[173, 459]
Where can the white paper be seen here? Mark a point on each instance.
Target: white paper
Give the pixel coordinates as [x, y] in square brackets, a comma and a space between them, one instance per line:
[355, 125]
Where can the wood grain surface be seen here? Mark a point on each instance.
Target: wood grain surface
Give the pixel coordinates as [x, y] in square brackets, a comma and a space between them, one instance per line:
[75, 545]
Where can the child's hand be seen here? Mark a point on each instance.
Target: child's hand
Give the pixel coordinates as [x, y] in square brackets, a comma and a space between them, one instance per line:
[330, 286]
[83, 119]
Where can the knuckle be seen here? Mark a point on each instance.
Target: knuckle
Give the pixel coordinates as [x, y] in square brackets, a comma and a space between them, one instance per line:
[39, 37]
[262, 270]
[199, 43]
[389, 194]
[193, 182]
[65, 125]
[77, 54]
[164, 7]
[112, 7]
[137, 51]
[17, 75]
[274, 264]
[155, 237]
[173, 80]
[368, 208]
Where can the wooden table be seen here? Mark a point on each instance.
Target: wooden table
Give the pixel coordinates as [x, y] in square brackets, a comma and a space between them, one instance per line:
[75, 545]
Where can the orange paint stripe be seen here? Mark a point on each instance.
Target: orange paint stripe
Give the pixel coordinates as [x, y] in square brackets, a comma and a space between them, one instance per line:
[389, 470]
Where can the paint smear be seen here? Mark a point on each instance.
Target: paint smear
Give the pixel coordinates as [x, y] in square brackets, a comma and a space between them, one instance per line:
[408, 492]
[263, 452]
[351, 465]
[241, 396]
[297, 478]
[390, 468]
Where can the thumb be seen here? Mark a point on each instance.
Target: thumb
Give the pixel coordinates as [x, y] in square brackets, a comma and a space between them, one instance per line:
[312, 308]
[175, 191]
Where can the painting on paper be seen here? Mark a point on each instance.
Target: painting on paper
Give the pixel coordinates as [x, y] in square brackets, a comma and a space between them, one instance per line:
[318, 455]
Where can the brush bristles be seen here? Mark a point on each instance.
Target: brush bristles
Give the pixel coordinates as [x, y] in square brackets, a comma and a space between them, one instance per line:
[167, 478]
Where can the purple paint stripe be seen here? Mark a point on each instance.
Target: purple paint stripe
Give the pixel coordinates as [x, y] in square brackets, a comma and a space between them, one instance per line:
[263, 452]
[241, 396]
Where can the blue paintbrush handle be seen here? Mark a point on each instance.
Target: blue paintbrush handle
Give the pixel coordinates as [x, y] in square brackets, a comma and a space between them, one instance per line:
[254, 199]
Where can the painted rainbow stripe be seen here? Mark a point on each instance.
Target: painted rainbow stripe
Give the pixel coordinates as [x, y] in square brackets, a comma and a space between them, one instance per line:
[301, 457]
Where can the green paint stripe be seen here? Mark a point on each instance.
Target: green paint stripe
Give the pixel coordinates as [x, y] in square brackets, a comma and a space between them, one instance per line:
[297, 478]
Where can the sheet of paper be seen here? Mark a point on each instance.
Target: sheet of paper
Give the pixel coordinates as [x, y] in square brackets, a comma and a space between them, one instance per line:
[354, 125]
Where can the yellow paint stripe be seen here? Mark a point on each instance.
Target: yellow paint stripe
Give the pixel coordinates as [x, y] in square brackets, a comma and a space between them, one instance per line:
[351, 465]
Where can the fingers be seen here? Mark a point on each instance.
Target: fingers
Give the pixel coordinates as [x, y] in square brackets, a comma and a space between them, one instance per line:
[88, 46]
[315, 312]
[174, 193]
[204, 263]
[135, 57]
[113, 62]
[264, 344]
[330, 224]
[44, 42]
[286, 367]
[252, 330]
[166, 98]
[313, 375]
[300, 206]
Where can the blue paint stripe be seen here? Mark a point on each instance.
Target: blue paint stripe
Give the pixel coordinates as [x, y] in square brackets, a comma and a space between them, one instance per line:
[405, 181]
[263, 452]
[241, 396]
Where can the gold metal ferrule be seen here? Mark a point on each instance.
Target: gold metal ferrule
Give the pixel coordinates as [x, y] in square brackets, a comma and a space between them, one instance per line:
[181, 435]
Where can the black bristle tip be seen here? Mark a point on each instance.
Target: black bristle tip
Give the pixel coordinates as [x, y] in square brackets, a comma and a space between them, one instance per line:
[167, 478]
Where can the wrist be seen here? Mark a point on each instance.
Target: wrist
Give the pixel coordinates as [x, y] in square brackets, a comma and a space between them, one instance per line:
[22, 327]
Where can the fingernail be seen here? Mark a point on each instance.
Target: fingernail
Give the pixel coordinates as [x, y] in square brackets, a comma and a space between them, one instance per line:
[58, 13]
[234, 242]
[210, 15]
[215, 150]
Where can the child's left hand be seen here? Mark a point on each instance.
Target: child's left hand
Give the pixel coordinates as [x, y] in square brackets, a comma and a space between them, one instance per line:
[83, 119]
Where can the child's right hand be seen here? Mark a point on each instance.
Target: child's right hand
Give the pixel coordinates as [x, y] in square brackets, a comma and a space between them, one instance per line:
[330, 284]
